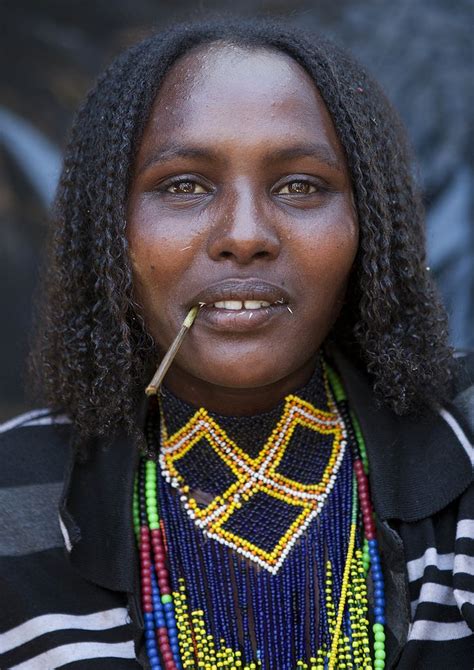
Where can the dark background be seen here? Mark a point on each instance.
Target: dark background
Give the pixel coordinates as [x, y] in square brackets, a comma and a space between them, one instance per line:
[421, 52]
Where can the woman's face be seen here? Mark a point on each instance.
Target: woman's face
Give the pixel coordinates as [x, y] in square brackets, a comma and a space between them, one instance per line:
[240, 197]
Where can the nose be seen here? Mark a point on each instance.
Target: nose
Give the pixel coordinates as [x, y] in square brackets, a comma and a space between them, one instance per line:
[243, 231]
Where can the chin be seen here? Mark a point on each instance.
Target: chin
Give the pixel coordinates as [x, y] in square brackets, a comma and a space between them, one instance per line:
[238, 371]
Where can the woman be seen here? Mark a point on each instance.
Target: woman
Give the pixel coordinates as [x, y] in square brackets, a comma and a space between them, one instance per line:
[259, 176]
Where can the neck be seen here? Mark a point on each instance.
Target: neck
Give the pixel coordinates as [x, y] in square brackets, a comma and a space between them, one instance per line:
[236, 401]
[249, 432]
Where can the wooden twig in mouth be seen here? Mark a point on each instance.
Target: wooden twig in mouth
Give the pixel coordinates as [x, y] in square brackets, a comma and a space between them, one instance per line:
[154, 385]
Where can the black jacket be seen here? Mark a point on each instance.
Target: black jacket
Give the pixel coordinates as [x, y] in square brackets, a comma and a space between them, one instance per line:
[69, 587]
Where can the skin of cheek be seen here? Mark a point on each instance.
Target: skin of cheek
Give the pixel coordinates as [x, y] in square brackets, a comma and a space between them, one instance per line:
[324, 269]
[155, 280]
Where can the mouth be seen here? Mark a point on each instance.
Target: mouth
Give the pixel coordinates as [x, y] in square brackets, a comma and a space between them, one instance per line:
[237, 305]
[241, 305]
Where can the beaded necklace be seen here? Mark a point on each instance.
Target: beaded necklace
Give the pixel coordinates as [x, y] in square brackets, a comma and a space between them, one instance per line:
[238, 591]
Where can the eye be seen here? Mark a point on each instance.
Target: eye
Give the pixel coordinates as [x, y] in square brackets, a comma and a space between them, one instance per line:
[297, 187]
[184, 187]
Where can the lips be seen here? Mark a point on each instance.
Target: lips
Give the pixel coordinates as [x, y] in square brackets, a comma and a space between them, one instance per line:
[237, 305]
[241, 291]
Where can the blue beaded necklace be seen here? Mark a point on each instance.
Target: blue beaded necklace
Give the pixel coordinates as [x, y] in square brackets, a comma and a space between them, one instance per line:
[216, 593]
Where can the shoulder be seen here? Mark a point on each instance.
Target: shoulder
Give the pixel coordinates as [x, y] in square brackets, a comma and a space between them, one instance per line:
[34, 452]
[38, 422]
[459, 412]
[32, 446]
[35, 417]
[463, 401]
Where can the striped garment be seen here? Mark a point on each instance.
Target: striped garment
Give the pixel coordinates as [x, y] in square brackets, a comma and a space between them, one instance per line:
[69, 583]
[440, 568]
[50, 616]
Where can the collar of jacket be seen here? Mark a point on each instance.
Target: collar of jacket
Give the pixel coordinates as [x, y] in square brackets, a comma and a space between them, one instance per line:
[418, 464]
[95, 512]
[417, 467]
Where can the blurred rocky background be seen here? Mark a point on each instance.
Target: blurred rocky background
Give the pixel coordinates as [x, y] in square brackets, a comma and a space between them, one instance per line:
[421, 52]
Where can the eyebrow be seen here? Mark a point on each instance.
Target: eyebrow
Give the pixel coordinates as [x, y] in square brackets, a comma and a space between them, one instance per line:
[176, 151]
[317, 150]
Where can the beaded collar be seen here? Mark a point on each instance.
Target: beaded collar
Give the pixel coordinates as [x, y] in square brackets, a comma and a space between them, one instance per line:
[250, 537]
[280, 465]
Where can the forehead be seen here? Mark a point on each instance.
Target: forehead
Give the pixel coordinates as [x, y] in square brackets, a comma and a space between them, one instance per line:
[222, 93]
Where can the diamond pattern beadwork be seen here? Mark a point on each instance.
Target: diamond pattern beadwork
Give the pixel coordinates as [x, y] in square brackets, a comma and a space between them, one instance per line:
[257, 508]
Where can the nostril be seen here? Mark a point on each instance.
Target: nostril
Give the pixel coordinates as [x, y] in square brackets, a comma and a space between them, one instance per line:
[226, 254]
[261, 254]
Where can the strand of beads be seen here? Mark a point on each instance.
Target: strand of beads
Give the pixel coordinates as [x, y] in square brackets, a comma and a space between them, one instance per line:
[358, 606]
[374, 555]
[345, 582]
[157, 602]
[361, 466]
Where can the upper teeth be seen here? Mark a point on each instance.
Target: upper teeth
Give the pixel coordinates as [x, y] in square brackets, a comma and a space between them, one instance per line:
[241, 304]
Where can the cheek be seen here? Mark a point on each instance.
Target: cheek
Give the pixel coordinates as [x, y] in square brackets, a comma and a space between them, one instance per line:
[147, 264]
[151, 269]
[155, 252]
[160, 254]
[326, 259]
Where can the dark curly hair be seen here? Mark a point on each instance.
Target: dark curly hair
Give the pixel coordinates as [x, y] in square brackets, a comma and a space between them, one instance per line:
[92, 351]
